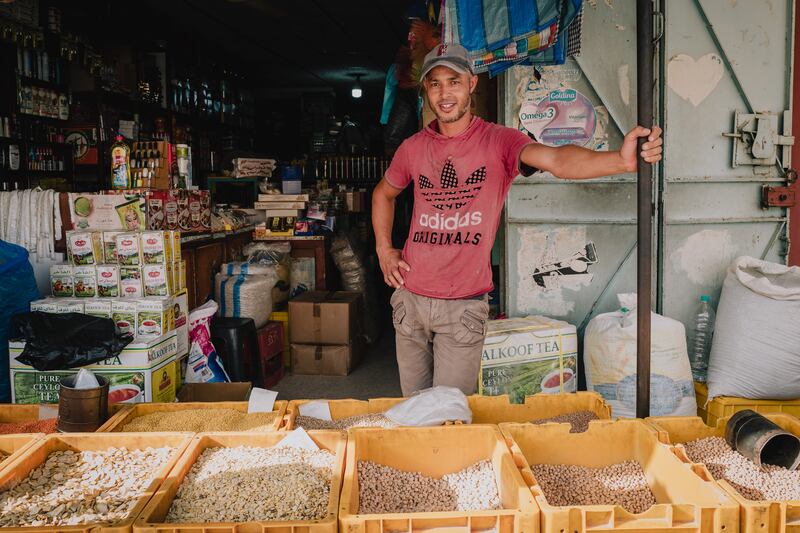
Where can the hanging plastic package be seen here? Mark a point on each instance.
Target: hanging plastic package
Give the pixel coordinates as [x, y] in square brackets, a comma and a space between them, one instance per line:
[17, 291]
[431, 407]
[204, 364]
[609, 356]
[69, 340]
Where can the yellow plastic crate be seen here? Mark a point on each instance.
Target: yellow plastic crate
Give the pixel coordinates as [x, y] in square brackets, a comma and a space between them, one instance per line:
[497, 409]
[726, 406]
[124, 415]
[688, 499]
[12, 446]
[283, 317]
[151, 520]
[340, 408]
[755, 516]
[436, 451]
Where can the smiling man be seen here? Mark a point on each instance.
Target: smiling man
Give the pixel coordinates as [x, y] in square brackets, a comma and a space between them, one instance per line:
[462, 168]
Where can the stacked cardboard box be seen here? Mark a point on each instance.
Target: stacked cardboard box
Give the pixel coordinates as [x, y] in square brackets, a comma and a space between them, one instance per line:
[281, 211]
[325, 332]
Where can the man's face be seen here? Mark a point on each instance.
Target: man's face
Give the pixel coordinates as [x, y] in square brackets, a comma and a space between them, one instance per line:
[449, 93]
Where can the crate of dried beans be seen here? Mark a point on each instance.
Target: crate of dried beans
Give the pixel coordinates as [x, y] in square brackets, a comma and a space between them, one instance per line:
[12, 446]
[574, 408]
[229, 482]
[769, 496]
[339, 414]
[197, 417]
[616, 476]
[455, 477]
[85, 482]
[28, 418]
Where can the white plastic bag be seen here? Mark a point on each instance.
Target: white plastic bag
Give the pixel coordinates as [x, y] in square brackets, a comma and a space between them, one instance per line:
[85, 379]
[610, 362]
[756, 348]
[431, 407]
[245, 296]
[303, 276]
[204, 364]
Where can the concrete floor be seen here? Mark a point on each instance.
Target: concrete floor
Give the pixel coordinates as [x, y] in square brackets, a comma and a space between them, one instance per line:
[375, 377]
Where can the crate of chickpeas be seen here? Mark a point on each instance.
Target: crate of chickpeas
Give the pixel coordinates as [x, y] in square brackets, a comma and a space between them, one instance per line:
[614, 476]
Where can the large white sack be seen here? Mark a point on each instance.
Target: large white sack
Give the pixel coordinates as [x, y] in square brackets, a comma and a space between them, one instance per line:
[245, 296]
[756, 348]
[609, 356]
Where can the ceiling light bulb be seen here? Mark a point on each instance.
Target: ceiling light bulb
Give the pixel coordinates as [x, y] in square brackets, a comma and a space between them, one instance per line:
[356, 91]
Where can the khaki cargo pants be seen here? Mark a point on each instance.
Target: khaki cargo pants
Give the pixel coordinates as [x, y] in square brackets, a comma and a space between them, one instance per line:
[439, 342]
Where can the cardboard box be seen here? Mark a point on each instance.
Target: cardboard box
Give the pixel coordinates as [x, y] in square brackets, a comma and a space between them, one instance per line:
[215, 392]
[130, 282]
[283, 318]
[154, 317]
[156, 247]
[176, 245]
[325, 317]
[85, 279]
[524, 356]
[85, 247]
[145, 371]
[45, 305]
[98, 307]
[291, 186]
[325, 360]
[248, 167]
[61, 281]
[123, 313]
[128, 249]
[108, 281]
[110, 246]
[283, 198]
[155, 279]
[70, 305]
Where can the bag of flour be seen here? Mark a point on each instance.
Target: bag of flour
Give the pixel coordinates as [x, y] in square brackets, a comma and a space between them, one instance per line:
[756, 349]
[610, 361]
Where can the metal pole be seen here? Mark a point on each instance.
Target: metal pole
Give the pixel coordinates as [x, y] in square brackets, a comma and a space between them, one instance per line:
[644, 105]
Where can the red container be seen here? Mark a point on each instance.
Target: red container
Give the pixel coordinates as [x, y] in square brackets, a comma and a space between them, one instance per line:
[270, 348]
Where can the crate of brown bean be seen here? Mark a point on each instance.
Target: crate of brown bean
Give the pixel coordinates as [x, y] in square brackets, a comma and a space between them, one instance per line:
[345, 413]
[229, 482]
[456, 477]
[769, 496]
[196, 417]
[616, 476]
[575, 408]
[28, 418]
[85, 482]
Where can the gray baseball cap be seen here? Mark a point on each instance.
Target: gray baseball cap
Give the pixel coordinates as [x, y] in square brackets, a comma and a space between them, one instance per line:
[453, 56]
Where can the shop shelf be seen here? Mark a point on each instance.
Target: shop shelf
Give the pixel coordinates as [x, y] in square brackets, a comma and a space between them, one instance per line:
[151, 520]
[688, 499]
[18, 469]
[125, 414]
[754, 516]
[725, 406]
[340, 408]
[434, 452]
[497, 409]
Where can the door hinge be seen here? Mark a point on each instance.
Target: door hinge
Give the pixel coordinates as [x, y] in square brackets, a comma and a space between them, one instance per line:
[778, 196]
[758, 143]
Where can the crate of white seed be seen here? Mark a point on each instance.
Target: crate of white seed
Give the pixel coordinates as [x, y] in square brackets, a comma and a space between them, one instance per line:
[341, 414]
[228, 482]
[616, 476]
[528, 355]
[769, 496]
[457, 477]
[85, 482]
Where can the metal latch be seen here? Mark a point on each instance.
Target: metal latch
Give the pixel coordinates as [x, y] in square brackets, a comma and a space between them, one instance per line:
[756, 141]
[778, 196]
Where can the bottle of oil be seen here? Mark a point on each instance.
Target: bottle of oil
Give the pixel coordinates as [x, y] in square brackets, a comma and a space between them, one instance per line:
[120, 164]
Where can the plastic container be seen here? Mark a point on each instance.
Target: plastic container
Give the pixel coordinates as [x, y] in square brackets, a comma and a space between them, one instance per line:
[151, 520]
[33, 456]
[701, 333]
[497, 409]
[755, 516]
[128, 413]
[13, 446]
[688, 499]
[13, 413]
[726, 406]
[436, 451]
[340, 408]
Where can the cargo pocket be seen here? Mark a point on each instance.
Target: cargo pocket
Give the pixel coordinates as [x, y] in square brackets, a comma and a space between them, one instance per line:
[471, 328]
[401, 320]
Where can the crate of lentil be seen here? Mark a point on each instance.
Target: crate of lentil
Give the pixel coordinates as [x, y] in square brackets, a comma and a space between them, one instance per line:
[28, 418]
[574, 408]
[455, 477]
[769, 496]
[616, 476]
[85, 482]
[228, 482]
[339, 414]
[197, 417]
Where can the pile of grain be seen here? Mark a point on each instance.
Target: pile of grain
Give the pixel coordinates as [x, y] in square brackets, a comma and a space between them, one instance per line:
[200, 420]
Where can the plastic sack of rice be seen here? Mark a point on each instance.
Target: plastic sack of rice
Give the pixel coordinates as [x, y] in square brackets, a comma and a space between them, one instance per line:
[245, 296]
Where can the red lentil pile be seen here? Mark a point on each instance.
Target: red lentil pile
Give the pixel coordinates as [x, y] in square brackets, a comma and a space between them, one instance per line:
[48, 425]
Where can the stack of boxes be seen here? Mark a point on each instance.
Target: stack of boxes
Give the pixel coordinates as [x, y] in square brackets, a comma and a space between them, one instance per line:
[325, 332]
[281, 212]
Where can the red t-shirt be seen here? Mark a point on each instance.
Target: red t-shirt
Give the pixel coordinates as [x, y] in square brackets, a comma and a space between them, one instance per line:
[460, 186]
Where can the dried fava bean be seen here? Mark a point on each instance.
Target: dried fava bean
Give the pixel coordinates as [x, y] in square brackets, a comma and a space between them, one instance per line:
[768, 482]
[72, 488]
[622, 484]
[200, 420]
[579, 420]
[245, 484]
[357, 421]
[382, 489]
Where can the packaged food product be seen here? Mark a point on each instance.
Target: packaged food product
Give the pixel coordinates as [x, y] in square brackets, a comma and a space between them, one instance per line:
[69, 305]
[130, 215]
[153, 316]
[61, 282]
[83, 248]
[130, 282]
[45, 305]
[123, 313]
[176, 245]
[98, 307]
[128, 250]
[156, 247]
[85, 278]
[155, 280]
[108, 281]
[110, 246]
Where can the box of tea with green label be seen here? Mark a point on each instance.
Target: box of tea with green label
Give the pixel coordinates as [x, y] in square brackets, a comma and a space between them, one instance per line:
[145, 371]
[528, 355]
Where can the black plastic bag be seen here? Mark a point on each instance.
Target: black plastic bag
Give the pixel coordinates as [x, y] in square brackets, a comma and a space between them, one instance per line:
[68, 340]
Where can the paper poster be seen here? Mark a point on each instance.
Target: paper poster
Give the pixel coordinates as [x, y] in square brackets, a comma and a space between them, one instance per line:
[564, 116]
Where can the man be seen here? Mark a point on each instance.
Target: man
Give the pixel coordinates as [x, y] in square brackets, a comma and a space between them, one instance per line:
[462, 169]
